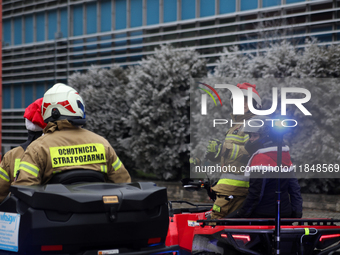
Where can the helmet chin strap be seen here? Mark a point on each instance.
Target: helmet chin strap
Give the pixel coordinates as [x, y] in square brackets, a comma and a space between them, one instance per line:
[77, 122]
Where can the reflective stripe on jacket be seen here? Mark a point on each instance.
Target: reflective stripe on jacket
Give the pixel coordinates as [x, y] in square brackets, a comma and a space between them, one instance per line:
[8, 169]
[234, 180]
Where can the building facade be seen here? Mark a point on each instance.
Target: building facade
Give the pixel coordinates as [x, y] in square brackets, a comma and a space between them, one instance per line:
[45, 41]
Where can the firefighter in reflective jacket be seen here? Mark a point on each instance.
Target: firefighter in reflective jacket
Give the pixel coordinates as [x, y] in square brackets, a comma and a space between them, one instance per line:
[66, 145]
[232, 187]
[11, 160]
[261, 201]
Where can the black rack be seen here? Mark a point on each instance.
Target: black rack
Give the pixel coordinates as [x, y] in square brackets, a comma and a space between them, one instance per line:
[271, 222]
[196, 208]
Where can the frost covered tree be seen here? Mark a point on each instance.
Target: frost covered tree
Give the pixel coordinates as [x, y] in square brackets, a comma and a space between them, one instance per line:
[104, 93]
[232, 63]
[158, 94]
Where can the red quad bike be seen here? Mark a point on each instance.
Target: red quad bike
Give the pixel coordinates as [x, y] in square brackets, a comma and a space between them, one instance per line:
[78, 214]
[195, 234]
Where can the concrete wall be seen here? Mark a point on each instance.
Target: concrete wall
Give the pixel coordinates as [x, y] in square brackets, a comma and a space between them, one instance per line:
[310, 201]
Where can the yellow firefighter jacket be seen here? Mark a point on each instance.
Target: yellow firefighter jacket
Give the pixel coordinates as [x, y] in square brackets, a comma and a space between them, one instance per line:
[8, 169]
[66, 147]
[232, 158]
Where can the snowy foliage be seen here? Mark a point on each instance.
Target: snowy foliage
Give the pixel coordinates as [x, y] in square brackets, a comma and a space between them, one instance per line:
[103, 91]
[158, 92]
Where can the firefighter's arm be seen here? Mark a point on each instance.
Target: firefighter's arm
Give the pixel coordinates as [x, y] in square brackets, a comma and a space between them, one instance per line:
[117, 172]
[31, 169]
[5, 179]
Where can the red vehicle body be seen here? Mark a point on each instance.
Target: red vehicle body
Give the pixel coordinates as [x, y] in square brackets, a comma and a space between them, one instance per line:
[182, 225]
[194, 234]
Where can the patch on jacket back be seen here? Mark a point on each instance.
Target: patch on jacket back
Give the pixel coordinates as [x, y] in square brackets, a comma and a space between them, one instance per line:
[82, 154]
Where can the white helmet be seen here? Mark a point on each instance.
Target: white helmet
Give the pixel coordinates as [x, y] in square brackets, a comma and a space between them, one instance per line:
[63, 102]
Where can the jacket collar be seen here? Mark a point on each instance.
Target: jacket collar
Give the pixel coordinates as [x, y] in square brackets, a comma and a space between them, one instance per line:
[58, 125]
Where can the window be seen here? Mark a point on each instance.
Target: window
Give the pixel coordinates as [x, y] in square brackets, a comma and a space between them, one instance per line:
[188, 9]
[227, 6]
[77, 20]
[170, 10]
[268, 3]
[91, 18]
[40, 26]
[136, 13]
[17, 89]
[63, 22]
[152, 12]
[40, 89]
[17, 31]
[28, 94]
[105, 16]
[248, 5]
[52, 24]
[7, 31]
[120, 14]
[29, 29]
[207, 8]
[293, 1]
[6, 99]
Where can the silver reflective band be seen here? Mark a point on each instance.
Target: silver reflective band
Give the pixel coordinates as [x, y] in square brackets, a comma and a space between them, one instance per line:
[238, 177]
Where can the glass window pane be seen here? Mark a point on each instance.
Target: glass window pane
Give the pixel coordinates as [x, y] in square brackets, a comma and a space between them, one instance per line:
[227, 6]
[136, 13]
[52, 24]
[170, 10]
[6, 100]
[63, 22]
[91, 18]
[17, 31]
[248, 5]
[207, 8]
[120, 14]
[105, 16]
[28, 94]
[29, 29]
[77, 20]
[268, 3]
[7, 31]
[40, 89]
[40, 18]
[188, 9]
[17, 96]
[152, 12]
[293, 1]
